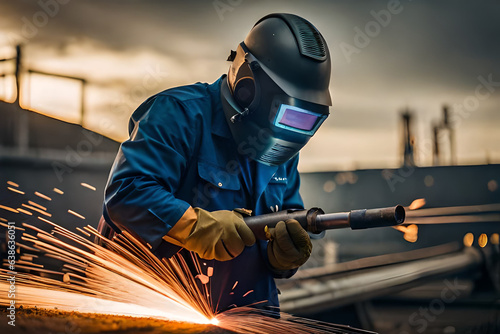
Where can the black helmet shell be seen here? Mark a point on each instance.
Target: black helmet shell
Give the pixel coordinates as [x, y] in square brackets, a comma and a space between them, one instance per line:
[294, 54]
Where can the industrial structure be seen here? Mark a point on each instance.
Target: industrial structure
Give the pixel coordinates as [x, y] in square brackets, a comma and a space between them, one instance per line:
[378, 279]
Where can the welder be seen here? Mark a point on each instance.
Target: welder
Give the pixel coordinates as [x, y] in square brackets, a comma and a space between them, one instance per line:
[202, 156]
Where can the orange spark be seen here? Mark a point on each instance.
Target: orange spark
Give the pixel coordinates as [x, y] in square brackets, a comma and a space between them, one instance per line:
[468, 239]
[37, 210]
[37, 205]
[132, 272]
[247, 293]
[16, 191]
[204, 279]
[251, 320]
[15, 227]
[76, 214]
[29, 263]
[3, 220]
[235, 284]
[210, 271]
[123, 279]
[59, 191]
[86, 185]
[482, 241]
[417, 204]
[13, 184]
[83, 232]
[410, 232]
[45, 220]
[26, 212]
[43, 196]
[8, 208]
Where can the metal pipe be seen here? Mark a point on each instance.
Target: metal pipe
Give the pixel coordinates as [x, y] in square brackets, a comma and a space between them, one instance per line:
[55, 75]
[83, 82]
[361, 219]
[432, 220]
[454, 210]
[316, 221]
[313, 295]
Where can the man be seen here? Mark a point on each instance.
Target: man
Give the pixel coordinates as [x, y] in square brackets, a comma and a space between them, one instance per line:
[197, 152]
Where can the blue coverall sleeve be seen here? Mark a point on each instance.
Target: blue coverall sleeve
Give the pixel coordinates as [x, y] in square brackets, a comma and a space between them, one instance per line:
[147, 171]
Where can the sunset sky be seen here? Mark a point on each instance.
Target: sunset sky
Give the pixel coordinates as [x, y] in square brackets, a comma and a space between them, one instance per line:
[386, 56]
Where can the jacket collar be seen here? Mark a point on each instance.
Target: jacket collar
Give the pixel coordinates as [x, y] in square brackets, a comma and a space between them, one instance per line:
[219, 122]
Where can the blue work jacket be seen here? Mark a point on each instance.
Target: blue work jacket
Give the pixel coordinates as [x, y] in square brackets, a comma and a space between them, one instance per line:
[180, 154]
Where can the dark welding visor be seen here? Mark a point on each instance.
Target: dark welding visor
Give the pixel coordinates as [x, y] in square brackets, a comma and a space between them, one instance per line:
[298, 120]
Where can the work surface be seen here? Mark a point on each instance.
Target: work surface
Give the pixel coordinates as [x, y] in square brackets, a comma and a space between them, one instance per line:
[41, 321]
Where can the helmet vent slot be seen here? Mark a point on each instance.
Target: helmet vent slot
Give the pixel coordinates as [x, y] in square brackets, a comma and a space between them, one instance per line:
[278, 154]
[311, 43]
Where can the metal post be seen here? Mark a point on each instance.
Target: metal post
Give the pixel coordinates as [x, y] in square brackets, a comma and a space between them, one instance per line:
[18, 74]
[435, 131]
[82, 103]
[408, 153]
[83, 81]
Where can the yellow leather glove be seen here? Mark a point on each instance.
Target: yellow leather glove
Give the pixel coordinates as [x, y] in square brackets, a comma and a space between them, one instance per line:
[289, 245]
[220, 235]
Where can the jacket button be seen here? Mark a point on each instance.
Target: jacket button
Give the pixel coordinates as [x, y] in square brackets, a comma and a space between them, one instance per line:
[220, 184]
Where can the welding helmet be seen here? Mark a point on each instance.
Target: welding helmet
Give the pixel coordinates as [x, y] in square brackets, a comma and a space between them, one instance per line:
[275, 96]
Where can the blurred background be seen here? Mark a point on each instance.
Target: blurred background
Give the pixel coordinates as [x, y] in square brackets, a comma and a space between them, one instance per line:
[415, 118]
[387, 56]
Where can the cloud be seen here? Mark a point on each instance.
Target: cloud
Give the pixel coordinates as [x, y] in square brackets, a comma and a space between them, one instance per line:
[428, 54]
